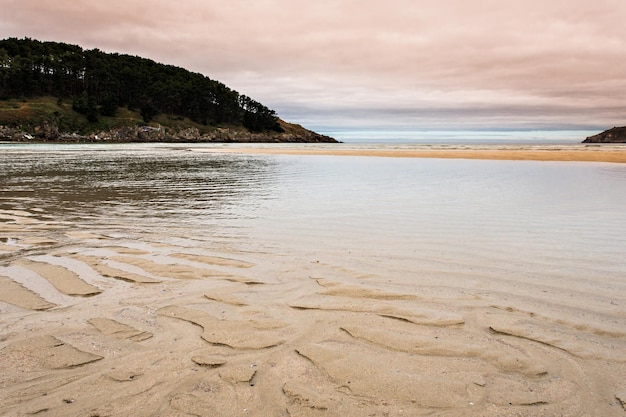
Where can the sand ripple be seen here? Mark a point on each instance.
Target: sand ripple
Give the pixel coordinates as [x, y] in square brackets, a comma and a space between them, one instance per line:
[148, 329]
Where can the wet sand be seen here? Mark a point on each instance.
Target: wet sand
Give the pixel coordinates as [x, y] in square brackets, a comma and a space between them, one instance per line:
[580, 153]
[97, 325]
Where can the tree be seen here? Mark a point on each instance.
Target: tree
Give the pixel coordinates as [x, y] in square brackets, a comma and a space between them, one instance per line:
[98, 83]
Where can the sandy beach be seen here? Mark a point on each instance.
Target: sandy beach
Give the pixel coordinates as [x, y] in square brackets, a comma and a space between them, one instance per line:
[579, 153]
[97, 323]
[94, 326]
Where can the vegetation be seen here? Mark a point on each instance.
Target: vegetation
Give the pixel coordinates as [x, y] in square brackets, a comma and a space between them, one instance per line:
[90, 88]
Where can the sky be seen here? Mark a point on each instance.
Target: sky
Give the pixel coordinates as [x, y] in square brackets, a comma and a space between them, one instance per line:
[359, 65]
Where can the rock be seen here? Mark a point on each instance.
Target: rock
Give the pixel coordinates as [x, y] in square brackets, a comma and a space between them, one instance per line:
[614, 135]
[292, 133]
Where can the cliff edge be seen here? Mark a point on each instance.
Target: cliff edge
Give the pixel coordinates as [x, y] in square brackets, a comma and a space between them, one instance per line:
[52, 120]
[614, 135]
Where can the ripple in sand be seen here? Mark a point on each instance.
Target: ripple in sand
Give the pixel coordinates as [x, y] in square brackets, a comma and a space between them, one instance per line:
[119, 330]
[302, 398]
[9, 248]
[352, 369]
[46, 352]
[401, 311]
[107, 271]
[16, 294]
[61, 278]
[242, 373]
[421, 341]
[238, 334]
[621, 397]
[214, 260]
[169, 270]
[354, 291]
[209, 361]
[572, 341]
[123, 375]
[225, 296]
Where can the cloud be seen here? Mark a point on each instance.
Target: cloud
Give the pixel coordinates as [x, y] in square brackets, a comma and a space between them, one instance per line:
[331, 63]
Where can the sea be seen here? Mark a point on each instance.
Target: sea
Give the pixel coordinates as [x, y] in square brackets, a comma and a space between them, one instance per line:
[470, 224]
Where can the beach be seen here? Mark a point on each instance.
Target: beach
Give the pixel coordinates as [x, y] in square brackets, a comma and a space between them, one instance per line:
[579, 153]
[240, 302]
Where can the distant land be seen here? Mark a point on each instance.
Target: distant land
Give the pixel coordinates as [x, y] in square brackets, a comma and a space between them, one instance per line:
[56, 92]
[614, 135]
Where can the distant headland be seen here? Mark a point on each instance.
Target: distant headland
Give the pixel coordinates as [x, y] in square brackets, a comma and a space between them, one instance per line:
[614, 135]
[56, 92]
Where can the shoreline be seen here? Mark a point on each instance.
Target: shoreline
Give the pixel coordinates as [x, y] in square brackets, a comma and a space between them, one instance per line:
[587, 154]
[610, 153]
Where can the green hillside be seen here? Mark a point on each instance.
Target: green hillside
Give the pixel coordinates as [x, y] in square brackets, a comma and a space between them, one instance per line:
[52, 91]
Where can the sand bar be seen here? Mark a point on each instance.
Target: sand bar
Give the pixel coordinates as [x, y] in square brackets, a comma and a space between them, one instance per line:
[578, 153]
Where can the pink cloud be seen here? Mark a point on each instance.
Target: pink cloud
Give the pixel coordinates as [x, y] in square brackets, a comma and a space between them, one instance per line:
[567, 59]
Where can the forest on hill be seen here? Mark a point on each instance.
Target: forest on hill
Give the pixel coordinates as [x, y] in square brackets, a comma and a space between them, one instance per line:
[99, 84]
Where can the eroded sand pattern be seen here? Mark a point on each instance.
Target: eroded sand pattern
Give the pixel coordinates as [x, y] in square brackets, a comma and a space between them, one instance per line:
[197, 343]
[120, 319]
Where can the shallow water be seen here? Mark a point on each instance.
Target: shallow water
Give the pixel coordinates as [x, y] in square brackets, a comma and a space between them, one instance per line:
[518, 212]
[526, 256]
[530, 215]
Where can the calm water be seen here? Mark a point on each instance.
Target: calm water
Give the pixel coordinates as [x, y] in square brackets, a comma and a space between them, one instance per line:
[530, 217]
[499, 284]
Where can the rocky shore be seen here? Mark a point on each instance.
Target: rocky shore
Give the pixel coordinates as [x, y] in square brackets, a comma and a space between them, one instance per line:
[614, 135]
[50, 133]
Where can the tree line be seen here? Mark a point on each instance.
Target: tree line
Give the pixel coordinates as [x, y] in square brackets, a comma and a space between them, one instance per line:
[98, 83]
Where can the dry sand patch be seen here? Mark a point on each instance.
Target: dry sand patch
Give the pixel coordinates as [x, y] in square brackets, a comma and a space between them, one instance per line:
[579, 154]
[16, 294]
[63, 279]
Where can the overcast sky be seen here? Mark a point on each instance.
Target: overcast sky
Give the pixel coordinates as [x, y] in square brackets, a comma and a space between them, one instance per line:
[374, 64]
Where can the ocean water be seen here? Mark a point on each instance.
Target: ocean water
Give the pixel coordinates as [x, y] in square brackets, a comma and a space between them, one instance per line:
[528, 218]
[567, 213]
[462, 137]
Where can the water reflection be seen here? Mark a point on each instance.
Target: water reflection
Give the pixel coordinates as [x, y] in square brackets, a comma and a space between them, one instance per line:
[133, 184]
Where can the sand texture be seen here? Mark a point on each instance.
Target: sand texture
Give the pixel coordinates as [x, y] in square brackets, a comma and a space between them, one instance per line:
[96, 325]
[580, 153]
[63, 279]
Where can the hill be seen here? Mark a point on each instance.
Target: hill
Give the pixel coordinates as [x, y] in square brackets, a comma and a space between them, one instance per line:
[614, 135]
[53, 91]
